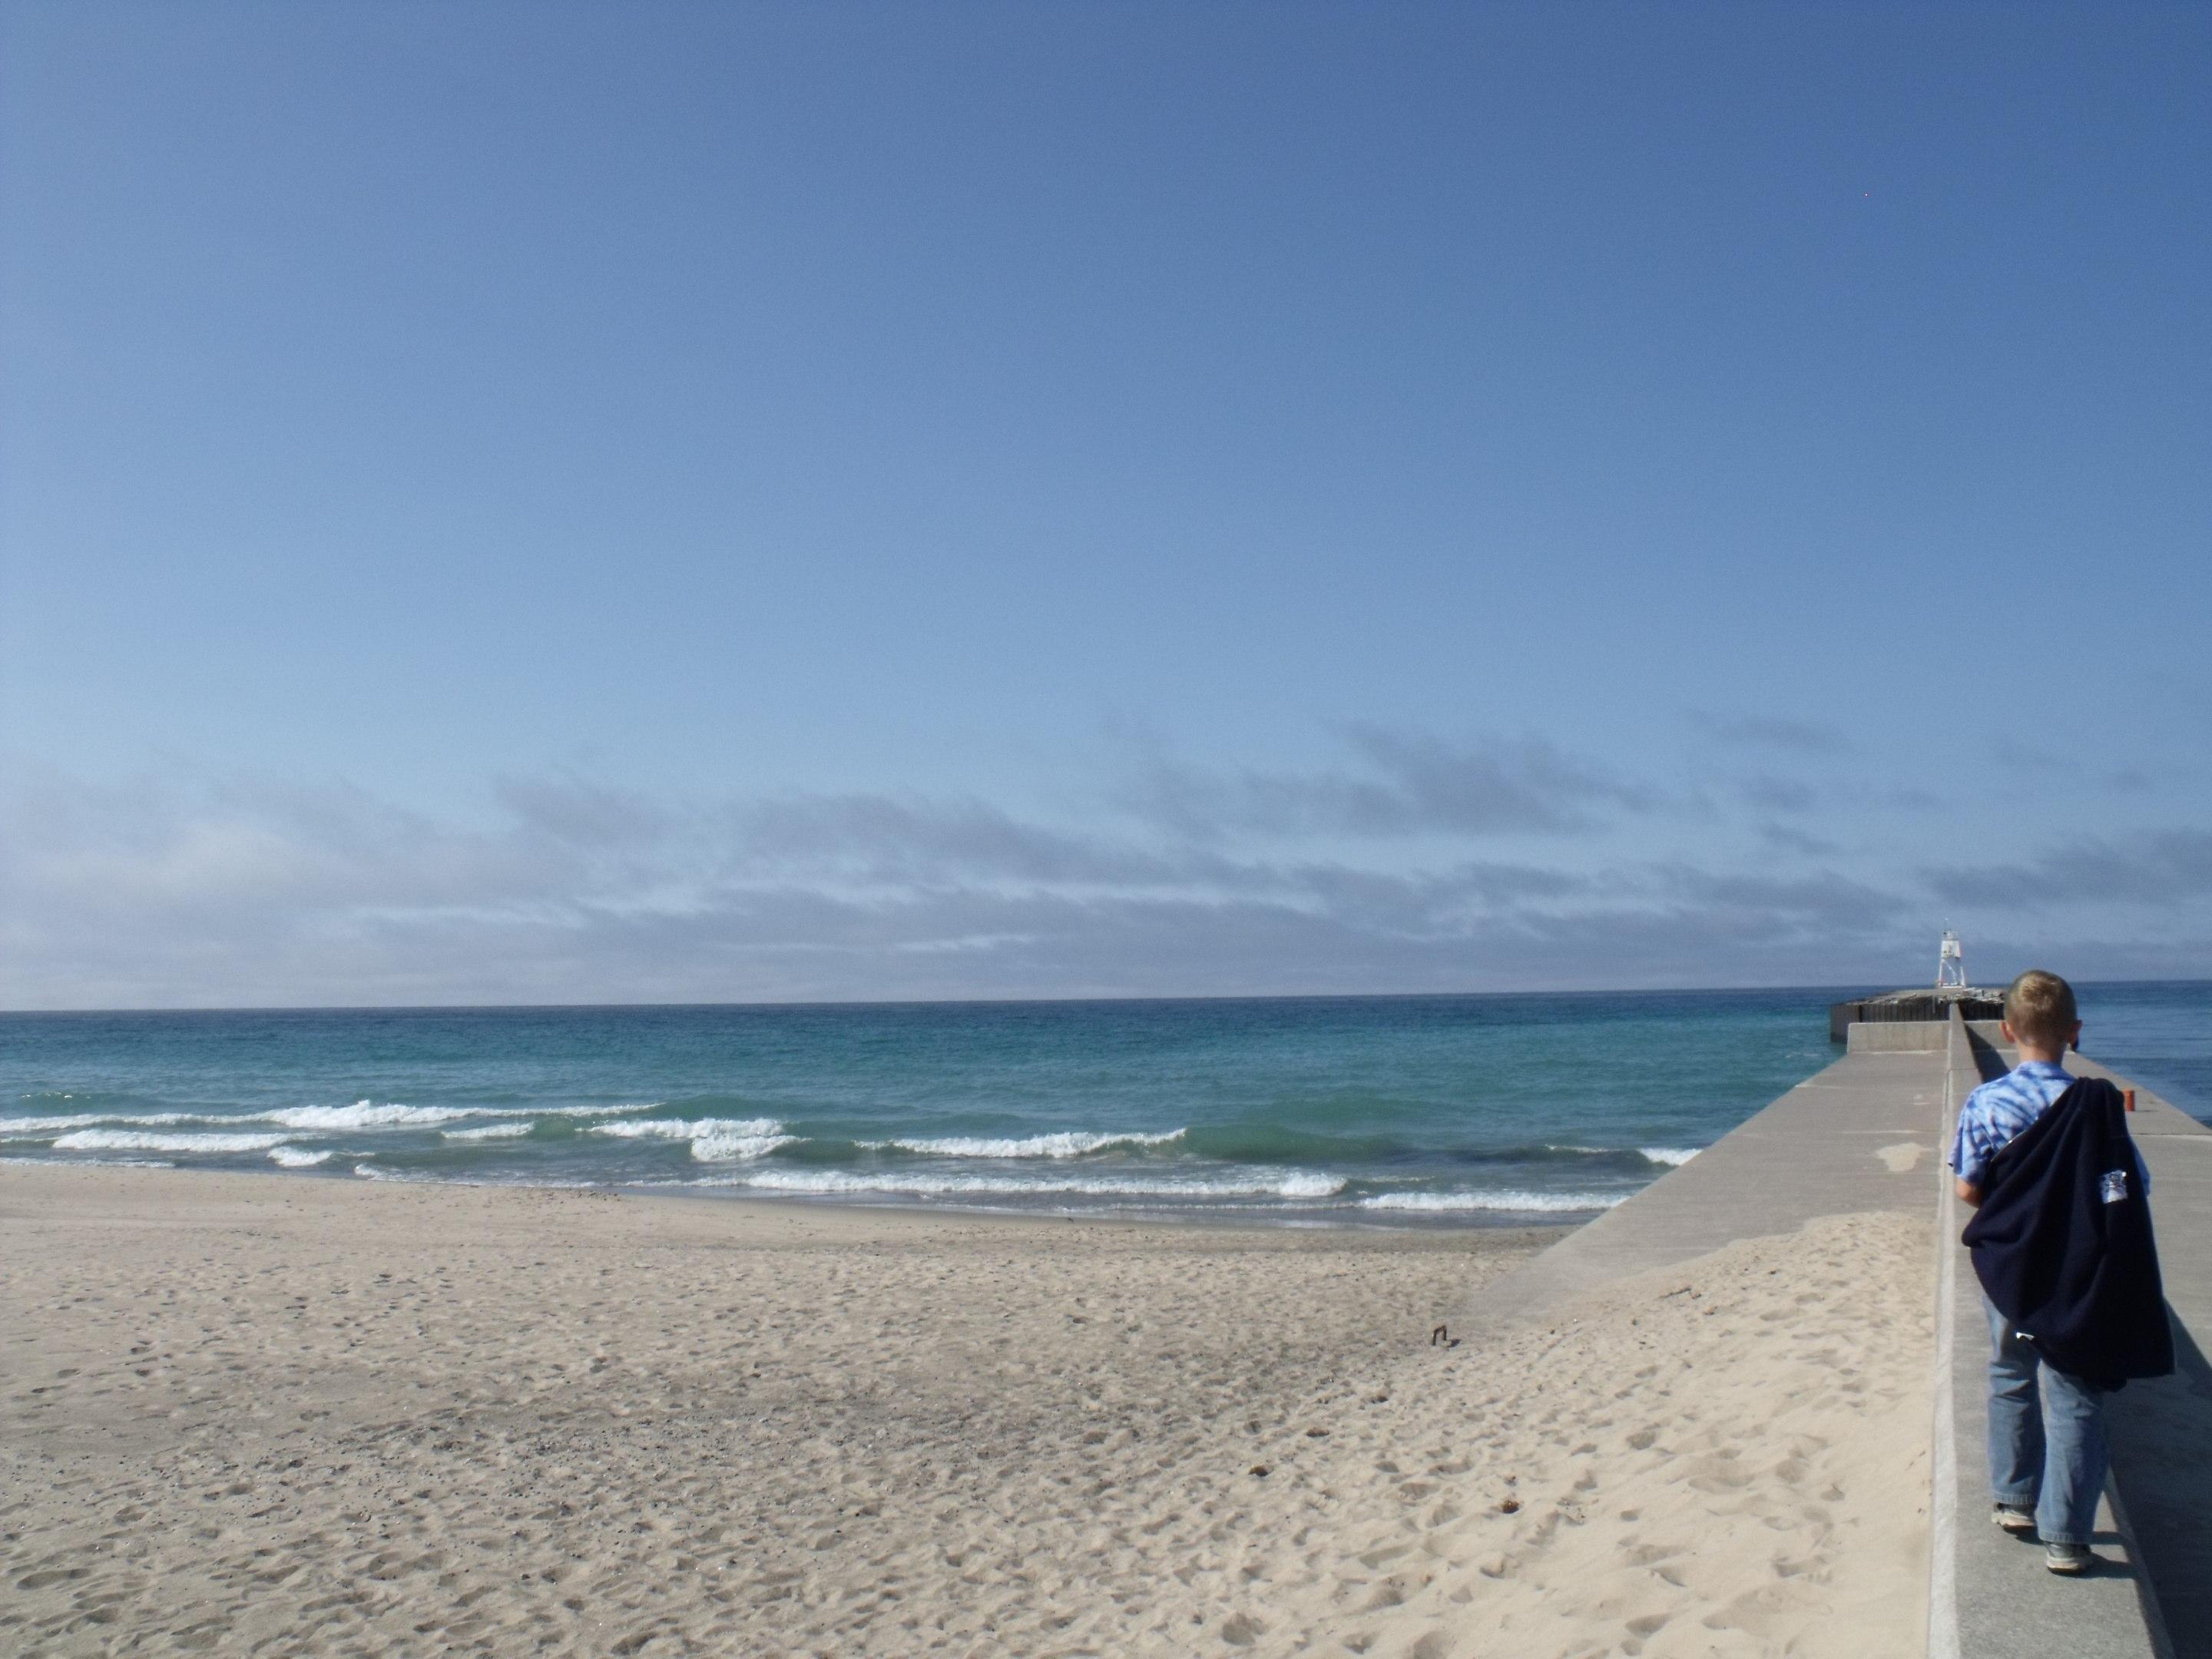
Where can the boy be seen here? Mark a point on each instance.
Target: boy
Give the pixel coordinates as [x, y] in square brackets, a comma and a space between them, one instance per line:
[2047, 1455]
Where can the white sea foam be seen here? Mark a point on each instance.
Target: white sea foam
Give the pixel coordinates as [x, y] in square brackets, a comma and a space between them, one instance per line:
[361, 1115]
[678, 1128]
[1067, 1143]
[726, 1149]
[488, 1132]
[297, 1157]
[139, 1140]
[566, 1111]
[714, 1139]
[394, 1114]
[433, 1178]
[1507, 1200]
[1230, 1183]
[366, 1114]
[1676, 1156]
[40, 1128]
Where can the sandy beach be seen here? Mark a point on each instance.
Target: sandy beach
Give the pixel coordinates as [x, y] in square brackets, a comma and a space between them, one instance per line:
[252, 1414]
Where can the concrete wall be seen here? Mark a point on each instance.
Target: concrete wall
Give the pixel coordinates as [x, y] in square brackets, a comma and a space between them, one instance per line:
[1925, 1036]
[2161, 1430]
[1914, 1037]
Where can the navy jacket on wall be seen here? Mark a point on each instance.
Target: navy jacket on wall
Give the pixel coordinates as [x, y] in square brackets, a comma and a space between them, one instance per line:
[2063, 1241]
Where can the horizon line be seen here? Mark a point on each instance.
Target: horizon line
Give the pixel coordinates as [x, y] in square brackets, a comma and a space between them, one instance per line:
[1847, 987]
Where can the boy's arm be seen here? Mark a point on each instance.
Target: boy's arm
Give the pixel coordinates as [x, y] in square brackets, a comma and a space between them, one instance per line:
[1966, 1160]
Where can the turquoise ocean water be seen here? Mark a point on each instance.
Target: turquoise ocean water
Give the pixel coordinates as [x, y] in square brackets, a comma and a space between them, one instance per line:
[1494, 1109]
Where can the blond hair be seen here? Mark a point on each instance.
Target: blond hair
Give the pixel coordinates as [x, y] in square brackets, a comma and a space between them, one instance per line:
[2039, 1006]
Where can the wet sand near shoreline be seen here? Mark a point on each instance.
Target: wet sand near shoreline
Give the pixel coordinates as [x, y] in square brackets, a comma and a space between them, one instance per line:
[251, 1414]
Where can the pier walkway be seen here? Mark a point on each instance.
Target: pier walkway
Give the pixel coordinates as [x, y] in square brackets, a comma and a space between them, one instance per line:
[1869, 1133]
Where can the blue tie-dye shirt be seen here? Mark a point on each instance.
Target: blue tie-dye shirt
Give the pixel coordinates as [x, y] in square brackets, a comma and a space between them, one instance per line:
[2002, 1107]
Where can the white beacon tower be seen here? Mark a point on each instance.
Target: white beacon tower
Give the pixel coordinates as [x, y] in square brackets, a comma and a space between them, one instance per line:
[1951, 964]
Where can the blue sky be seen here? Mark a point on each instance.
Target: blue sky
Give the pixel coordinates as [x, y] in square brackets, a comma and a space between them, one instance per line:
[720, 503]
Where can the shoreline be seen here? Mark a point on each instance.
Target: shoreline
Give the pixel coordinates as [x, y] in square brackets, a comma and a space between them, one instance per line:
[393, 1417]
[1222, 1214]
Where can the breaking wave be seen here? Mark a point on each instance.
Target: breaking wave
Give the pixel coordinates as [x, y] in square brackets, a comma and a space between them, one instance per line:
[726, 1148]
[1066, 1143]
[140, 1140]
[714, 1139]
[1521, 1202]
[366, 1114]
[40, 1128]
[1228, 1183]
[679, 1128]
[360, 1115]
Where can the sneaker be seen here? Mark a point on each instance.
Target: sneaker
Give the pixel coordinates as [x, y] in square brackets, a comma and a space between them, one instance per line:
[2014, 1518]
[2067, 1558]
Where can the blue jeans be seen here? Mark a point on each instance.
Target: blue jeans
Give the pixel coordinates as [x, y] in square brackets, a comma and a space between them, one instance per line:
[2048, 1451]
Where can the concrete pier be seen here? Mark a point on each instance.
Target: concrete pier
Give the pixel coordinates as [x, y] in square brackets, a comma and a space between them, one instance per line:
[1869, 1132]
[1859, 1136]
[1919, 1006]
